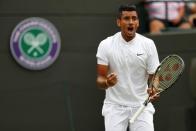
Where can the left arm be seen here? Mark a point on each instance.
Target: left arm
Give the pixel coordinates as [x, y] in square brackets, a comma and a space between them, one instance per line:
[152, 90]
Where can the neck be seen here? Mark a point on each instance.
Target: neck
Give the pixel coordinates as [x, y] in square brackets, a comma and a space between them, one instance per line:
[127, 38]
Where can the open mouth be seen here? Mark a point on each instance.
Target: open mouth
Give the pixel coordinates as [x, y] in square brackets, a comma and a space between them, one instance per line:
[130, 29]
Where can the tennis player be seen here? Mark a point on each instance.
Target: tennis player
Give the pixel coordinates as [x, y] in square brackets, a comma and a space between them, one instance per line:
[125, 62]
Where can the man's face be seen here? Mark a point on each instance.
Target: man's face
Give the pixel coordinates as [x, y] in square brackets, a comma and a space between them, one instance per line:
[128, 23]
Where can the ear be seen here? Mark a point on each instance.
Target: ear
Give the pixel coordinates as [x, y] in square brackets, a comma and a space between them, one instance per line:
[118, 22]
[138, 24]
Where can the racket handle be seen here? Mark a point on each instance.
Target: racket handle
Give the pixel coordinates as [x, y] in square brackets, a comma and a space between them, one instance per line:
[138, 112]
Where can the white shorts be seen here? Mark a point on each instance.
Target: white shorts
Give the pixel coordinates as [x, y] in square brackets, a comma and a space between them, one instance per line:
[117, 117]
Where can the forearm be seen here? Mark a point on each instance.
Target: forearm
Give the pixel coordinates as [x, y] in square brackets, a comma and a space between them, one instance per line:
[150, 79]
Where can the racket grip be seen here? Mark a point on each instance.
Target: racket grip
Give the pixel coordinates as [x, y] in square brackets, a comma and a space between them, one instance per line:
[137, 113]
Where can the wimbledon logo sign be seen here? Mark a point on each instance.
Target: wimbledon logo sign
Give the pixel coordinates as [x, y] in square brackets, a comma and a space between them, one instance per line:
[35, 43]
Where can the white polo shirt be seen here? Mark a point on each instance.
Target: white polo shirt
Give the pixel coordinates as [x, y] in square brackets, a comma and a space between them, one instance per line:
[132, 62]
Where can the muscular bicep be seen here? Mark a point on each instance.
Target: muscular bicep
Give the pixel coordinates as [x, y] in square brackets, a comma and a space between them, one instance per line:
[102, 70]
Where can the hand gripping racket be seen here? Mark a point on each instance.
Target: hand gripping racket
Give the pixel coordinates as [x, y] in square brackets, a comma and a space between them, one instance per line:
[166, 74]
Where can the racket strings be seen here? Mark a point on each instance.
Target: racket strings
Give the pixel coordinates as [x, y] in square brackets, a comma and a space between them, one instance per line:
[169, 72]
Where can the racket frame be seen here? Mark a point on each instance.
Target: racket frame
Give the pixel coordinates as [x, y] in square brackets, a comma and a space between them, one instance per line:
[141, 109]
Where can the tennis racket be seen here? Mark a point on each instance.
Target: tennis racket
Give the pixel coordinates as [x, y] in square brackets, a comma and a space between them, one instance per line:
[166, 74]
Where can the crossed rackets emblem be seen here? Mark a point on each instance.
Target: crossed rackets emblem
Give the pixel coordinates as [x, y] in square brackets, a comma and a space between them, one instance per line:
[35, 42]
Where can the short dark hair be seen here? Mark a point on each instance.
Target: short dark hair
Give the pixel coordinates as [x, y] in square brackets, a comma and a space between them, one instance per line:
[126, 7]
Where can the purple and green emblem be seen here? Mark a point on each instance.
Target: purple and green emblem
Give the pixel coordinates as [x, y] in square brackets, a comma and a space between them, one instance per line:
[35, 43]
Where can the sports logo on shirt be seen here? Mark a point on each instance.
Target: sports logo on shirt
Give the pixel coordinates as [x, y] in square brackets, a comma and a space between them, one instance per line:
[139, 54]
[35, 43]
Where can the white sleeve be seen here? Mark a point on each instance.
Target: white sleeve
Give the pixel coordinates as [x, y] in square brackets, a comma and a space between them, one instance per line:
[153, 58]
[102, 53]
